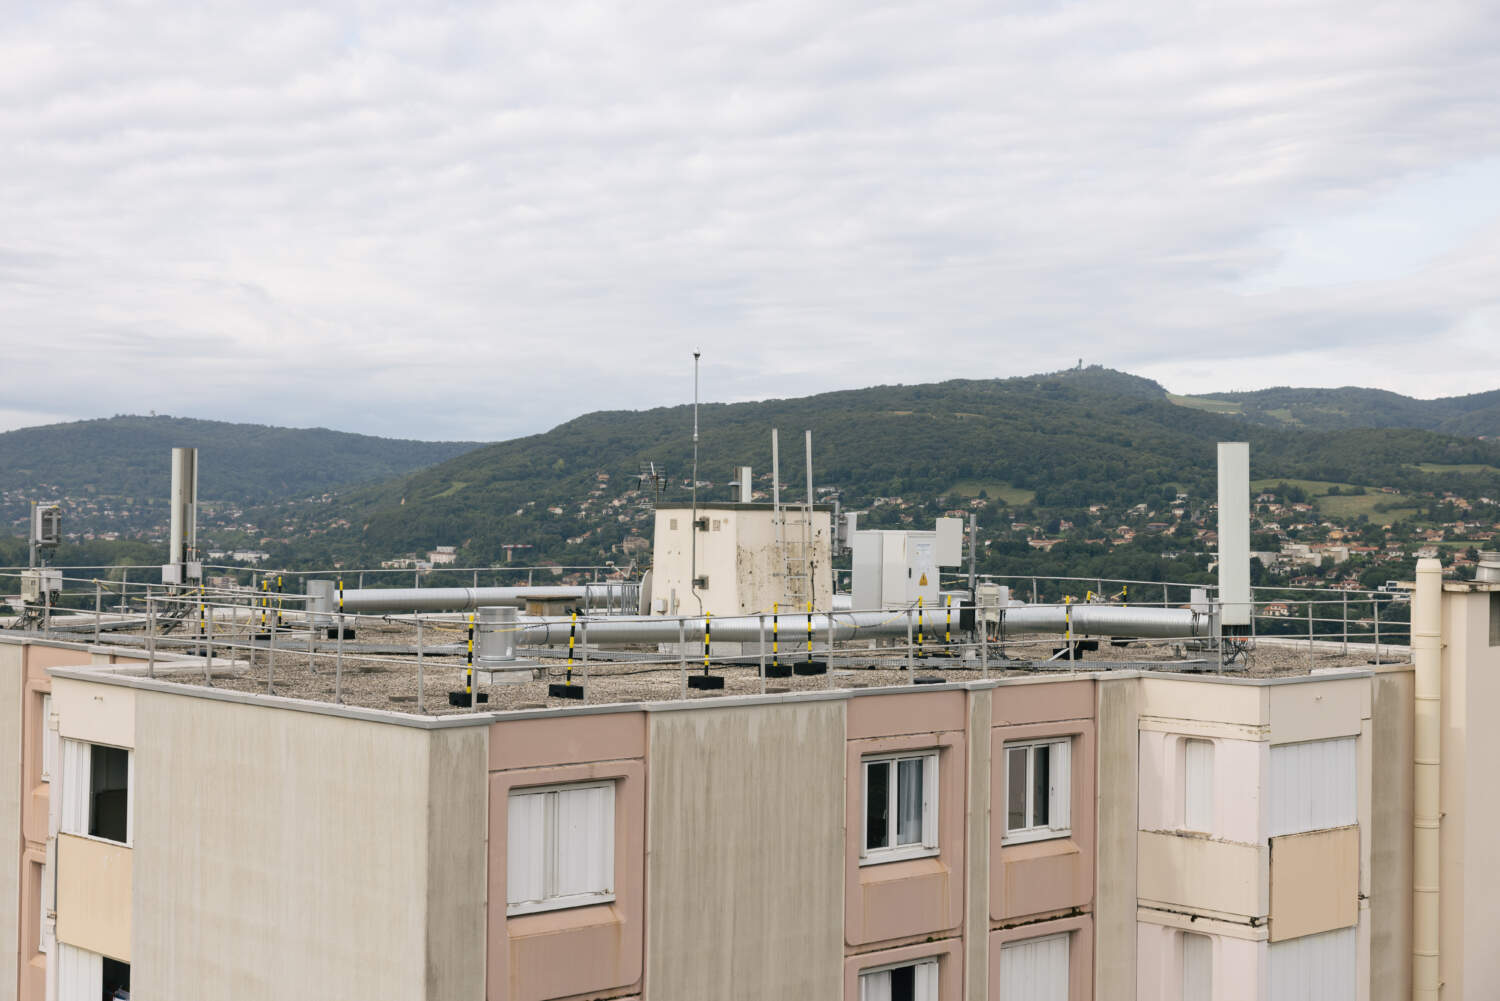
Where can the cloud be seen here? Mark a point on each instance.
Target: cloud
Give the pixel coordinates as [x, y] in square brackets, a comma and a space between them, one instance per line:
[479, 220]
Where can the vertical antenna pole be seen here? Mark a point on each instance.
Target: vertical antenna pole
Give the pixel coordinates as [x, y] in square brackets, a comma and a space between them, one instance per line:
[693, 521]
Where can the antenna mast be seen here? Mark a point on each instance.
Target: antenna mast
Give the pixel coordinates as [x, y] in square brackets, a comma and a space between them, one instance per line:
[693, 521]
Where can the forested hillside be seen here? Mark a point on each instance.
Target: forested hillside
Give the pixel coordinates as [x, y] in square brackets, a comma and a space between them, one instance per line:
[1351, 407]
[1054, 443]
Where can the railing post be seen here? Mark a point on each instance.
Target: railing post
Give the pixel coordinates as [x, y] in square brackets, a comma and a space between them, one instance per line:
[761, 634]
[150, 635]
[1346, 623]
[682, 653]
[98, 607]
[420, 678]
[208, 660]
[338, 665]
[271, 656]
[1375, 601]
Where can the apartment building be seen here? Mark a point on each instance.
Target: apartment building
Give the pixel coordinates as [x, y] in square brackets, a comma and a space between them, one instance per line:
[1107, 834]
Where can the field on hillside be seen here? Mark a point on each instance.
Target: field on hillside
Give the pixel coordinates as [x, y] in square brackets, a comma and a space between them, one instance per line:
[1014, 496]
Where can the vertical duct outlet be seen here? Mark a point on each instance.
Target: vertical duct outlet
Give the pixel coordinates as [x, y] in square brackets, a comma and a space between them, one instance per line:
[1234, 533]
[184, 546]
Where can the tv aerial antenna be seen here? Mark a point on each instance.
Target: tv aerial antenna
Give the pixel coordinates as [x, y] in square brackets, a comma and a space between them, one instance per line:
[654, 475]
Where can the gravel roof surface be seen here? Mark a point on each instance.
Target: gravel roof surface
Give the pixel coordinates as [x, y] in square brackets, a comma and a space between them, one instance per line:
[379, 670]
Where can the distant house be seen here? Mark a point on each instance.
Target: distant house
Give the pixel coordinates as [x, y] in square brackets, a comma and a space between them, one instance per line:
[443, 556]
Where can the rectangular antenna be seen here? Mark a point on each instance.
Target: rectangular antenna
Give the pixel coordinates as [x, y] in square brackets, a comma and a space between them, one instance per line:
[1234, 532]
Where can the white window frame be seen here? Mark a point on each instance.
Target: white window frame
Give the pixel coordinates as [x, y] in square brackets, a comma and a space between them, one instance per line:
[928, 846]
[76, 765]
[1059, 790]
[551, 901]
[926, 978]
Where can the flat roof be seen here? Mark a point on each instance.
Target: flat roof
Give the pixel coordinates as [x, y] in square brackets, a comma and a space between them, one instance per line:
[378, 672]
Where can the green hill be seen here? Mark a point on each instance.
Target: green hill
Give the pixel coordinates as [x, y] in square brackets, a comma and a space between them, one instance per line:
[1348, 407]
[124, 464]
[1066, 440]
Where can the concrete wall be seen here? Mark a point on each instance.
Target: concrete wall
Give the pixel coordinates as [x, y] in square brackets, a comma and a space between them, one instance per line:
[596, 950]
[289, 854]
[1118, 701]
[891, 903]
[738, 555]
[1390, 835]
[12, 685]
[1470, 797]
[977, 886]
[745, 820]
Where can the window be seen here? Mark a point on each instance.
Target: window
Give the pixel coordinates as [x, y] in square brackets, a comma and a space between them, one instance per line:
[116, 977]
[1037, 790]
[1035, 969]
[560, 847]
[907, 982]
[900, 806]
[96, 790]
[1314, 786]
[1198, 785]
[1197, 967]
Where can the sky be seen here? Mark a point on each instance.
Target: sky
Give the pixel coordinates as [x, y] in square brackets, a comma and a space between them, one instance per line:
[474, 221]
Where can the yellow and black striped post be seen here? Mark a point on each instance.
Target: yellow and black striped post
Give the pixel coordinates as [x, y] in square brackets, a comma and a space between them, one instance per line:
[919, 627]
[809, 631]
[707, 623]
[775, 635]
[341, 594]
[948, 625]
[264, 585]
[202, 619]
[469, 671]
[572, 628]
[1068, 623]
[278, 601]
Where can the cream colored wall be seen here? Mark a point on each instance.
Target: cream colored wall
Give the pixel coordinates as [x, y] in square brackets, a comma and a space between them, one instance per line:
[317, 843]
[1222, 878]
[1470, 900]
[12, 686]
[93, 895]
[1317, 710]
[1390, 835]
[1186, 700]
[759, 564]
[745, 879]
[99, 714]
[1238, 795]
[1238, 964]
[1115, 949]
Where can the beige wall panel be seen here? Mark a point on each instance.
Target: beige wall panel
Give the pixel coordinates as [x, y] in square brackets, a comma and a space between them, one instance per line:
[1176, 698]
[1314, 882]
[1115, 868]
[1224, 877]
[93, 895]
[1318, 710]
[745, 875]
[458, 810]
[12, 683]
[99, 714]
[307, 876]
[976, 917]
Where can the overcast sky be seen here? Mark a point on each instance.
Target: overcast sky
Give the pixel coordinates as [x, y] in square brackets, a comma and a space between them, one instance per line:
[476, 221]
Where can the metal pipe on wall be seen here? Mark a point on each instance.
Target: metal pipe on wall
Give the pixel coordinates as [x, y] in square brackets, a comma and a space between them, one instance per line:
[1427, 753]
[322, 601]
